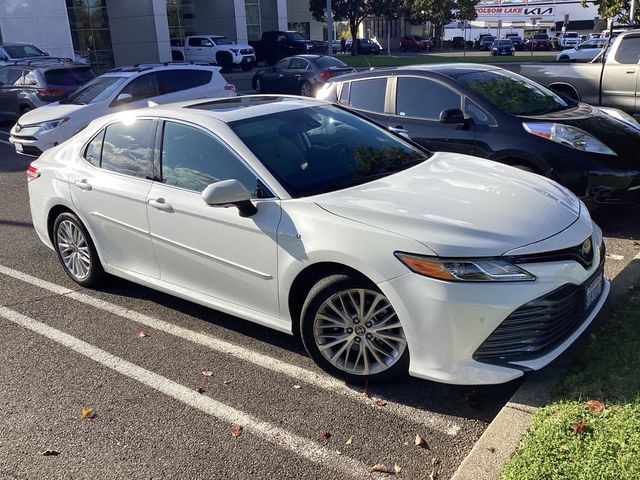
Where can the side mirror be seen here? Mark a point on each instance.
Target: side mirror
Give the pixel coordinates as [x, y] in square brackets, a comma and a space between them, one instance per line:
[227, 193]
[453, 115]
[124, 98]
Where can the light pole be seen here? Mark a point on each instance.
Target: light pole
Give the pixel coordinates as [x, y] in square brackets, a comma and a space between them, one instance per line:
[632, 13]
[329, 28]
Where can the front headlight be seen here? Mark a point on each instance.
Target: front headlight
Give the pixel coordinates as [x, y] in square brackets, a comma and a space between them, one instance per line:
[50, 125]
[569, 136]
[621, 116]
[465, 270]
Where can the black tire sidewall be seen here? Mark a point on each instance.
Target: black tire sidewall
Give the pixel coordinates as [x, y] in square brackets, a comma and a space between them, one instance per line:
[96, 272]
[320, 292]
[306, 82]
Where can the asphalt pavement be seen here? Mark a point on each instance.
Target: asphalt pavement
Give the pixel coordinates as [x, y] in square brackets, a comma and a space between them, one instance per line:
[136, 357]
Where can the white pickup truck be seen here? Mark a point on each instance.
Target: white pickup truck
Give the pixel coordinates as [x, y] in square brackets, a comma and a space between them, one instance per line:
[215, 49]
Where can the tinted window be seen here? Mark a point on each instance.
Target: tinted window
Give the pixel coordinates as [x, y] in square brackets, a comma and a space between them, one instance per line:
[9, 76]
[127, 148]
[200, 42]
[328, 62]
[422, 98]
[94, 149]
[284, 63]
[193, 159]
[298, 64]
[368, 94]
[512, 93]
[629, 51]
[320, 149]
[145, 86]
[176, 80]
[344, 93]
[69, 77]
[23, 51]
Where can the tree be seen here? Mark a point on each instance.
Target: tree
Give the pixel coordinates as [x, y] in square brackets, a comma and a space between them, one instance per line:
[442, 12]
[355, 11]
[619, 9]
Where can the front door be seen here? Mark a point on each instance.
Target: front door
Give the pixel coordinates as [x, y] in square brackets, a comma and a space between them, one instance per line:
[418, 105]
[620, 76]
[109, 189]
[273, 80]
[212, 250]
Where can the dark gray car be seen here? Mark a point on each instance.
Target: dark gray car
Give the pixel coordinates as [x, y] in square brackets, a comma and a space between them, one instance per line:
[26, 85]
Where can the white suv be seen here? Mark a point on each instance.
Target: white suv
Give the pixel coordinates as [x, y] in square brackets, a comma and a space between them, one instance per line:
[120, 89]
[569, 40]
[216, 49]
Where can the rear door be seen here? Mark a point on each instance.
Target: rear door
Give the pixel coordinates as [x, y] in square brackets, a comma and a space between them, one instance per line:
[620, 77]
[417, 108]
[293, 74]
[273, 78]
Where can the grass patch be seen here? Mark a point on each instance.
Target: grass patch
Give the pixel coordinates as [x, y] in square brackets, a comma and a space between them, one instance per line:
[609, 445]
[401, 60]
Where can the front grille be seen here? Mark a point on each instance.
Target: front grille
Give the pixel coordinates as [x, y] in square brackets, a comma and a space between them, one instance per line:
[247, 51]
[539, 326]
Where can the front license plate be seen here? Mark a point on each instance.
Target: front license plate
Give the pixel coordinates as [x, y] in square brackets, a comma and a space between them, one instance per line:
[593, 291]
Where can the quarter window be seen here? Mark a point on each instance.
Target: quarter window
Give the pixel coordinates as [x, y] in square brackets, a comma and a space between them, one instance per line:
[193, 159]
[127, 148]
[344, 93]
[368, 94]
[422, 98]
[94, 150]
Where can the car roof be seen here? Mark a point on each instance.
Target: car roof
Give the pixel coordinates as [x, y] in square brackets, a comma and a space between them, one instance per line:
[233, 108]
[446, 69]
[142, 67]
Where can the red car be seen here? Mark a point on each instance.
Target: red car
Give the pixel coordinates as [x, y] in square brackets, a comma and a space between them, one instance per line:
[540, 41]
[414, 42]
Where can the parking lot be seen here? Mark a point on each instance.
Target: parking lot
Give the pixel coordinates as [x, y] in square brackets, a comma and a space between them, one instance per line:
[136, 358]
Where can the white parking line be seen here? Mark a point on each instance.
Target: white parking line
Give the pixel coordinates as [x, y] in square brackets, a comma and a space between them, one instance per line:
[431, 420]
[271, 433]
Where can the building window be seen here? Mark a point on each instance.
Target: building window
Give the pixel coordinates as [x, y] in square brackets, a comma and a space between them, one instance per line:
[90, 33]
[303, 28]
[254, 26]
[180, 16]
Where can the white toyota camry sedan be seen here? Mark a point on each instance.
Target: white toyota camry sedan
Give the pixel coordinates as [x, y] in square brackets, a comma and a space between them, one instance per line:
[296, 214]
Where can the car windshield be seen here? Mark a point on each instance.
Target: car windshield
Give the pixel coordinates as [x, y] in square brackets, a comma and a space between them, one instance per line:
[512, 93]
[571, 35]
[296, 37]
[222, 41]
[97, 90]
[488, 39]
[504, 43]
[541, 37]
[330, 62]
[320, 149]
[24, 51]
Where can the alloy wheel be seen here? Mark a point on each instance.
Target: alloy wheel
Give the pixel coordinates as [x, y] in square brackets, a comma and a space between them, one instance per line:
[73, 249]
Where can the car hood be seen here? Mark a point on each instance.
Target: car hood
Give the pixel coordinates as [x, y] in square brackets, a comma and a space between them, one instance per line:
[460, 206]
[49, 112]
[622, 138]
[241, 46]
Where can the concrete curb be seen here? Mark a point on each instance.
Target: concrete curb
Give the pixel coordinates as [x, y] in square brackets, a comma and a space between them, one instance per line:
[500, 440]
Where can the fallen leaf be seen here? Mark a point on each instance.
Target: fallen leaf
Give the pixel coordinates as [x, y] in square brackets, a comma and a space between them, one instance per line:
[297, 387]
[207, 373]
[380, 403]
[236, 431]
[381, 468]
[50, 453]
[420, 442]
[326, 435]
[87, 413]
[199, 389]
[492, 449]
[595, 405]
[227, 382]
[143, 334]
[349, 441]
[397, 468]
[579, 427]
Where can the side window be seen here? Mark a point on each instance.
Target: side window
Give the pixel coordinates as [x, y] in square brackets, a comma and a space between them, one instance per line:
[629, 51]
[94, 150]
[193, 159]
[298, 64]
[283, 64]
[30, 78]
[127, 148]
[183, 79]
[144, 86]
[200, 42]
[479, 115]
[422, 98]
[368, 94]
[344, 93]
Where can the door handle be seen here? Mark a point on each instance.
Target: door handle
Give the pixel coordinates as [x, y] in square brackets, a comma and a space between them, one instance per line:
[160, 204]
[631, 71]
[280, 76]
[83, 185]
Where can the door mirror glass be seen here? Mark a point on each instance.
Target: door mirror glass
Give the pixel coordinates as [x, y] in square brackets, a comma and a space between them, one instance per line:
[124, 98]
[229, 192]
[453, 115]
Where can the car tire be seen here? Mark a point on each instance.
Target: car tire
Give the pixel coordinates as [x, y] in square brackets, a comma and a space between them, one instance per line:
[76, 251]
[564, 58]
[368, 358]
[306, 89]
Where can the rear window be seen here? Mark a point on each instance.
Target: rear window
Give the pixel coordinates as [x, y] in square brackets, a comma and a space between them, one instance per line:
[328, 62]
[69, 77]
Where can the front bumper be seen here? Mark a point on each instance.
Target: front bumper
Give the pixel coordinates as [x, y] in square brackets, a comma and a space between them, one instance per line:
[446, 322]
[32, 141]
